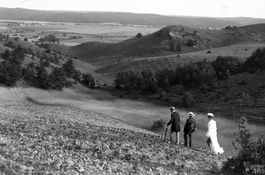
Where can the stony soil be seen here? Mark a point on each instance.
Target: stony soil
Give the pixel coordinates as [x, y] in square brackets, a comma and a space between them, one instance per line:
[37, 139]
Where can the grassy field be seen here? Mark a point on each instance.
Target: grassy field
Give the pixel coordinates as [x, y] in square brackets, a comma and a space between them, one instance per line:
[140, 114]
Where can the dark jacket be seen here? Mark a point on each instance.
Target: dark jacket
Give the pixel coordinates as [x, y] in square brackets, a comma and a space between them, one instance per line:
[175, 121]
[190, 126]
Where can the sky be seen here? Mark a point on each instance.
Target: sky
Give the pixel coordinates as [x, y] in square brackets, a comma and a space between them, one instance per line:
[205, 8]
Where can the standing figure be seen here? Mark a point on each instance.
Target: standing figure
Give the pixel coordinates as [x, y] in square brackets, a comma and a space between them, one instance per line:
[189, 128]
[211, 135]
[175, 124]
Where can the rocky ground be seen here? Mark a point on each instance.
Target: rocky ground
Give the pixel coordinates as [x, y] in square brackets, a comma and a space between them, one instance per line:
[55, 140]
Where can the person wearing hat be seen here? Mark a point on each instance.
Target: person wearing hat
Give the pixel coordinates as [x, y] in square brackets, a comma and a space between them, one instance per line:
[189, 128]
[175, 124]
[211, 135]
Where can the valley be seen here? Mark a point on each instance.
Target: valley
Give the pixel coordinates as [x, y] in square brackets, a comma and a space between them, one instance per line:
[82, 97]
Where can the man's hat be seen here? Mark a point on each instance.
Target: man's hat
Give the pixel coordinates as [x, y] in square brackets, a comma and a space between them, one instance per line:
[210, 115]
[191, 114]
[172, 108]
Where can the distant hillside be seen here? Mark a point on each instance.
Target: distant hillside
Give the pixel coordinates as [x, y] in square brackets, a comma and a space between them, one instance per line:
[244, 20]
[114, 17]
[165, 42]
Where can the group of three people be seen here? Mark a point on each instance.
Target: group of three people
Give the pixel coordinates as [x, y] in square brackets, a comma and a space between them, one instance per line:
[190, 127]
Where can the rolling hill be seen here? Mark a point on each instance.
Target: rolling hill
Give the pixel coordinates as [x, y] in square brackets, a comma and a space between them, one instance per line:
[122, 18]
[163, 44]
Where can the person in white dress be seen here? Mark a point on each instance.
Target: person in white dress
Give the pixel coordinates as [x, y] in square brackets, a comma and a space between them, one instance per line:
[211, 135]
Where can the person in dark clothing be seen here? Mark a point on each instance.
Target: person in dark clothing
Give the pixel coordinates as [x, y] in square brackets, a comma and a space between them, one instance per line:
[189, 128]
[175, 124]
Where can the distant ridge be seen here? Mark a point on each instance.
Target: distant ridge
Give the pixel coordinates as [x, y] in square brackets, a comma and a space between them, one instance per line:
[159, 43]
[122, 18]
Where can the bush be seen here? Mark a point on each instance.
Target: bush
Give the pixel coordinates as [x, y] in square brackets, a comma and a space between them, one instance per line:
[88, 80]
[10, 73]
[256, 60]
[251, 155]
[227, 63]
[159, 124]
[191, 43]
[188, 100]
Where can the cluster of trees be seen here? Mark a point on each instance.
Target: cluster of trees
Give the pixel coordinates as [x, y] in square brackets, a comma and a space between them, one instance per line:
[59, 78]
[191, 75]
[42, 75]
[144, 81]
[50, 38]
[10, 68]
[75, 37]
[256, 60]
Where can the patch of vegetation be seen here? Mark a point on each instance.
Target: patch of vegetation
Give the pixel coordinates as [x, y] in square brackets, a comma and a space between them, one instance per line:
[159, 124]
[204, 76]
[10, 68]
[188, 100]
[256, 60]
[49, 38]
[251, 155]
[41, 74]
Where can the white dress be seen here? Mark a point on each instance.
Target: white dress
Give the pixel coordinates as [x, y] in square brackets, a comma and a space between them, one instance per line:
[212, 134]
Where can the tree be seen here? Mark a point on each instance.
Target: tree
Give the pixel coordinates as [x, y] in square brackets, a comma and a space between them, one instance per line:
[49, 38]
[10, 73]
[68, 68]
[222, 64]
[88, 80]
[42, 77]
[178, 48]
[188, 100]
[139, 35]
[190, 43]
[57, 79]
[29, 72]
[256, 60]
[174, 45]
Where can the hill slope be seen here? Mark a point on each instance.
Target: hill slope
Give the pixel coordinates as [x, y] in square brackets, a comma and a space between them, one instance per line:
[164, 42]
[56, 139]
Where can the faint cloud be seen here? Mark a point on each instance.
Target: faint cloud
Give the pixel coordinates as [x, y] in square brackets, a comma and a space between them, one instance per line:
[23, 1]
[225, 7]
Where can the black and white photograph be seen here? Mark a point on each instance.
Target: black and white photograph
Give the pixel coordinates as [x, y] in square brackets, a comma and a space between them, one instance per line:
[132, 87]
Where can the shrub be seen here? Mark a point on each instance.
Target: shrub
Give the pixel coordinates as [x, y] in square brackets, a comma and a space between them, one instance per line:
[190, 43]
[256, 60]
[227, 63]
[139, 35]
[251, 155]
[159, 124]
[10, 73]
[188, 100]
[68, 68]
[88, 80]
